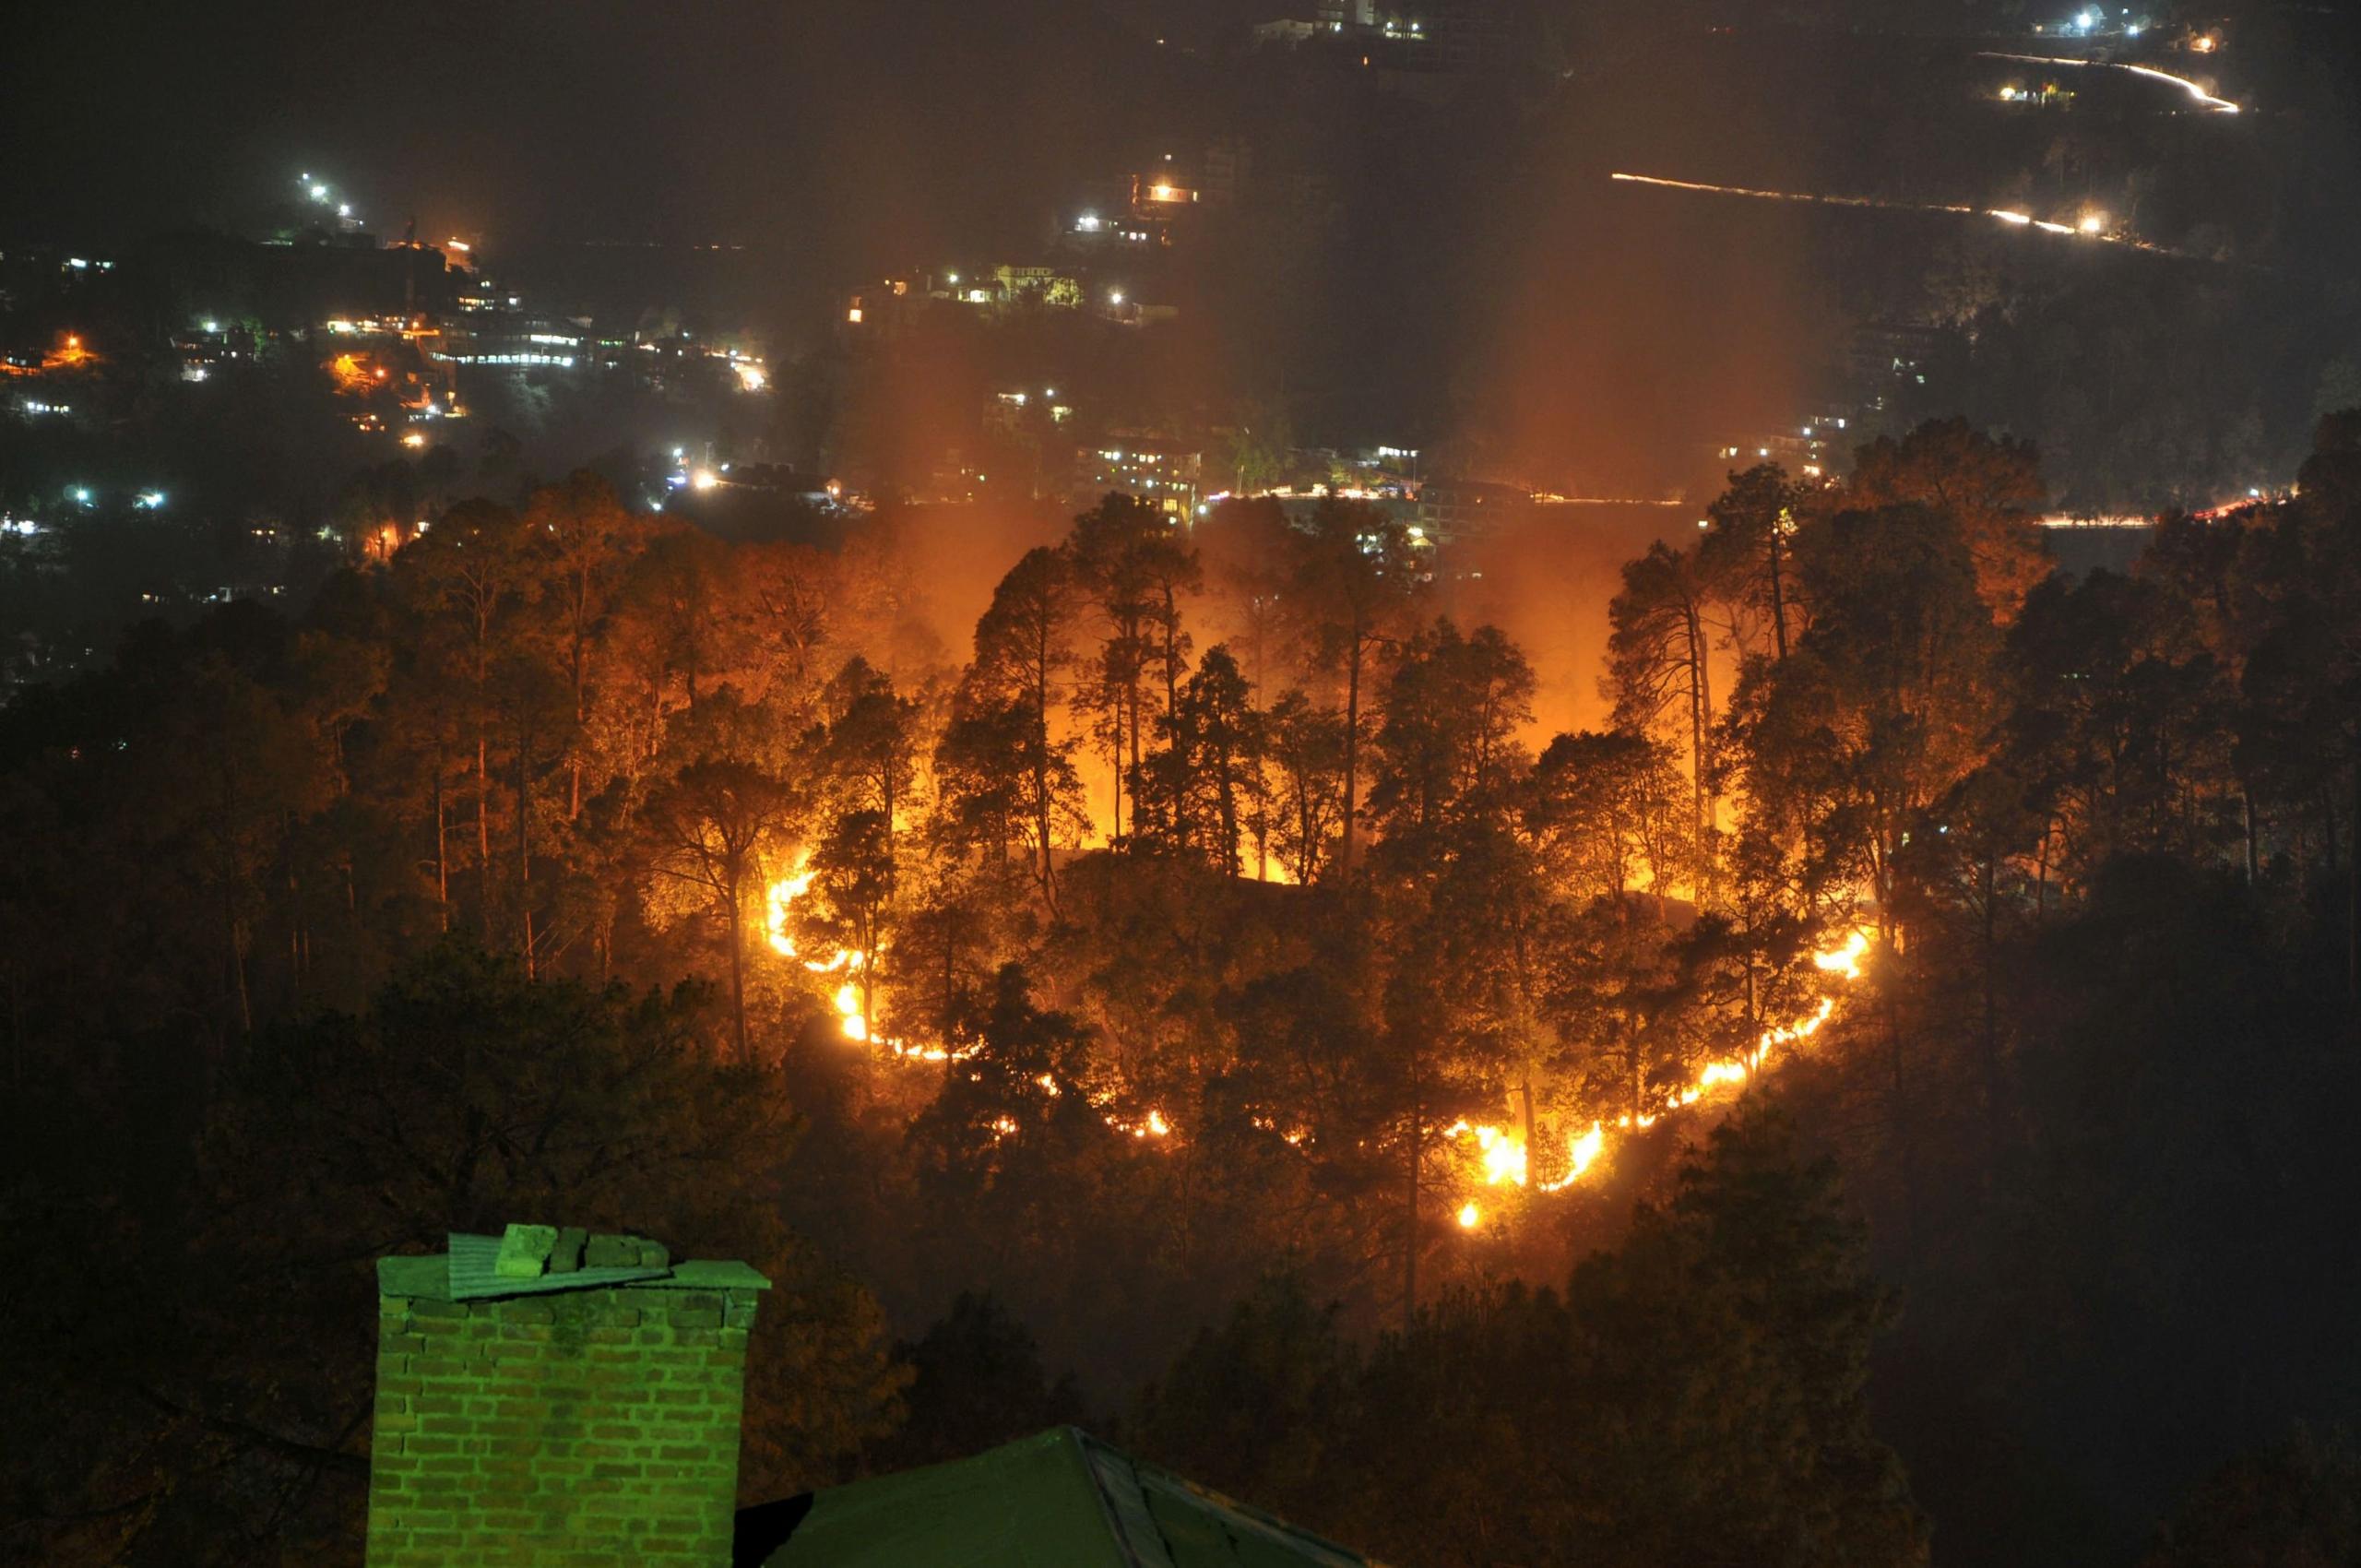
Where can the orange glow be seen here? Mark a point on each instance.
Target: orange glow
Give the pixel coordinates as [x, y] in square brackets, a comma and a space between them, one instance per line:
[1500, 1159]
[352, 376]
[855, 1025]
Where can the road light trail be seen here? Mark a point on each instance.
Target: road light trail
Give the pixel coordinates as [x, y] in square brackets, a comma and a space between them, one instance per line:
[1806, 197]
[2219, 105]
[2086, 231]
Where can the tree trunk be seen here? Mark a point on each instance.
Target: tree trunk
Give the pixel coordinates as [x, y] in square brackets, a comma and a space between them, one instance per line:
[1115, 760]
[524, 851]
[1992, 1095]
[581, 697]
[1701, 720]
[2246, 800]
[1352, 751]
[1410, 1241]
[441, 849]
[1172, 655]
[2353, 911]
[738, 973]
[483, 833]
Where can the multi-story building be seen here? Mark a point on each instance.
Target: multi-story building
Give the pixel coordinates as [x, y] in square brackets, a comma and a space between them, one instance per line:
[1161, 470]
[1429, 35]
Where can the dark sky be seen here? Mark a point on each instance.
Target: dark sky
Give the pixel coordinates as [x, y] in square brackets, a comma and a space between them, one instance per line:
[842, 137]
[1484, 281]
[797, 123]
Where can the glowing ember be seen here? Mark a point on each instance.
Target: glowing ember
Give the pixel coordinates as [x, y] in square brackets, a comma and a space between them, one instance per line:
[1844, 960]
[1501, 1155]
[1153, 1125]
[852, 1020]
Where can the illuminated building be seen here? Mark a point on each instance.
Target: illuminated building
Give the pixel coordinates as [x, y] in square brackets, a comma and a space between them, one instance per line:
[1421, 35]
[1159, 469]
[1453, 510]
[1161, 192]
[883, 308]
[513, 341]
[1048, 284]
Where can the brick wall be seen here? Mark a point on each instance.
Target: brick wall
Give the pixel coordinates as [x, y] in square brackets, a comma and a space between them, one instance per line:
[571, 1428]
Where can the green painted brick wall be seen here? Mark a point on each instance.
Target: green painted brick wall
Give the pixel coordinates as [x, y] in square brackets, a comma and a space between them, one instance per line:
[573, 1429]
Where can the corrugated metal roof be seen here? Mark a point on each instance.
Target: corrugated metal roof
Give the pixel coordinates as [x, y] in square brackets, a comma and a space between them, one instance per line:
[1058, 1500]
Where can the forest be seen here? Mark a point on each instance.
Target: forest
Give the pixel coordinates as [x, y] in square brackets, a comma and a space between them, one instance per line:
[1882, 1096]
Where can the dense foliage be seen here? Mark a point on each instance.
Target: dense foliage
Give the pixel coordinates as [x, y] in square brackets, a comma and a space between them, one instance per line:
[1172, 950]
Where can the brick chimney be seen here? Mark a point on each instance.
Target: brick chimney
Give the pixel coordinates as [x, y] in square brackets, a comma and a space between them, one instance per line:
[554, 1400]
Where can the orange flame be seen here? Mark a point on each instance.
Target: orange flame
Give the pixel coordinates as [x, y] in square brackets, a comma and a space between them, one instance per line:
[1501, 1156]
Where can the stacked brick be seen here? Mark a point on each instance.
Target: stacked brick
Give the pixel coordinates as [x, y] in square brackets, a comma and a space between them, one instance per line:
[573, 1427]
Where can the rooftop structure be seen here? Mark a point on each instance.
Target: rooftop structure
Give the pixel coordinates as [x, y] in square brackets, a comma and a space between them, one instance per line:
[549, 1398]
[1062, 1497]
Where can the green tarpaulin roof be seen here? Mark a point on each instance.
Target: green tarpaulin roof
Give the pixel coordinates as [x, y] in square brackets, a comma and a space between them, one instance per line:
[1060, 1500]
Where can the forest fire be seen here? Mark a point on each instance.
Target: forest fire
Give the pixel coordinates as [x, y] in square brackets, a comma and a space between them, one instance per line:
[853, 1020]
[1499, 1155]
[1502, 1158]
[851, 1004]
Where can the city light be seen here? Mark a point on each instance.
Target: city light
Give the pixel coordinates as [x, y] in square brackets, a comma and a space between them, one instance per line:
[149, 500]
[414, 440]
[704, 479]
[319, 193]
[2094, 223]
[2010, 215]
[1116, 298]
[2220, 105]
